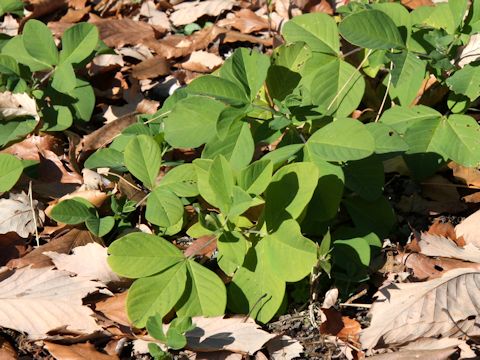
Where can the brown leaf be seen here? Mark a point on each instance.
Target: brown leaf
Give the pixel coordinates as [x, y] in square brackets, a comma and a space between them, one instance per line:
[350, 331]
[151, 68]
[440, 354]
[246, 21]
[234, 36]
[114, 308]
[43, 7]
[204, 246]
[52, 170]
[12, 247]
[75, 15]
[472, 198]
[20, 215]
[438, 307]
[7, 351]
[155, 17]
[322, 6]
[9, 25]
[77, 352]
[469, 176]
[413, 4]
[202, 61]
[29, 148]
[445, 229]
[15, 105]
[61, 244]
[189, 12]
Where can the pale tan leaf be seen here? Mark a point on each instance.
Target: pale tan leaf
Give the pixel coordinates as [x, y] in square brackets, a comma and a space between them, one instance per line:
[440, 354]
[284, 348]
[16, 215]
[9, 25]
[15, 105]
[202, 61]
[331, 298]
[469, 229]
[77, 352]
[471, 51]
[235, 334]
[37, 301]
[406, 312]
[89, 261]
[435, 245]
[155, 17]
[246, 21]
[189, 12]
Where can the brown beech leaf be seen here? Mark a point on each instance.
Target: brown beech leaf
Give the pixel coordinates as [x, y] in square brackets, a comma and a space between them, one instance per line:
[435, 245]
[188, 12]
[37, 301]
[469, 230]
[445, 229]
[76, 352]
[114, 308]
[155, 17]
[406, 312]
[28, 149]
[42, 7]
[52, 170]
[12, 247]
[470, 176]
[246, 21]
[94, 197]
[204, 246]
[470, 52]
[202, 61]
[413, 4]
[7, 351]
[151, 68]
[75, 15]
[16, 215]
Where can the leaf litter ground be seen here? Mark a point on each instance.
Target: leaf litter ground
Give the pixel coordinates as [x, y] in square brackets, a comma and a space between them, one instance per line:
[135, 80]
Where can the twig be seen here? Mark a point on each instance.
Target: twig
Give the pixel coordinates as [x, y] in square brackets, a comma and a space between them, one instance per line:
[386, 92]
[356, 296]
[30, 196]
[364, 306]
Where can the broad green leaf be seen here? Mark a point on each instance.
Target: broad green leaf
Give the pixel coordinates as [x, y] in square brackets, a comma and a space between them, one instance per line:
[341, 140]
[281, 82]
[192, 122]
[164, 208]
[78, 42]
[11, 6]
[232, 247]
[372, 29]
[85, 103]
[292, 56]
[143, 159]
[255, 289]
[237, 146]
[365, 177]
[248, 68]
[72, 212]
[154, 327]
[156, 294]
[376, 216]
[181, 180]
[10, 170]
[15, 129]
[399, 15]
[283, 154]
[221, 181]
[15, 48]
[301, 180]
[138, 255]
[407, 76]
[202, 170]
[64, 79]
[57, 118]
[100, 226]
[438, 16]
[38, 41]
[241, 202]
[106, 158]
[317, 30]
[222, 89]
[387, 140]
[255, 178]
[351, 258]
[229, 116]
[205, 293]
[401, 117]
[466, 82]
[458, 8]
[341, 91]
[8, 65]
[289, 254]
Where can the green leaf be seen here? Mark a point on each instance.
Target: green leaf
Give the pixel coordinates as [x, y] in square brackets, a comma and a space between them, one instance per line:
[10, 170]
[100, 226]
[458, 8]
[181, 180]
[143, 159]
[205, 293]
[372, 29]
[387, 140]
[138, 255]
[241, 202]
[317, 30]
[282, 154]
[301, 180]
[164, 208]
[232, 247]
[15, 129]
[8, 65]
[255, 289]
[289, 254]
[155, 328]
[292, 56]
[15, 48]
[466, 82]
[237, 146]
[401, 117]
[341, 140]
[221, 181]
[38, 41]
[11, 6]
[78, 42]
[106, 158]
[72, 212]
[407, 76]
[192, 122]
[248, 68]
[341, 91]
[156, 294]
[255, 178]
[57, 118]
[352, 258]
[64, 79]
[219, 88]
[85, 100]
[365, 177]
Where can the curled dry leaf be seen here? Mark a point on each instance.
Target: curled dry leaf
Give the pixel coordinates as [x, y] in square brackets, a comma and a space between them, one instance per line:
[16, 105]
[28, 149]
[331, 298]
[77, 352]
[38, 301]
[189, 12]
[16, 215]
[88, 261]
[202, 61]
[439, 307]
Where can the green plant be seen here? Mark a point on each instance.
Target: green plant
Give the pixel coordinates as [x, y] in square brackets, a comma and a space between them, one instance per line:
[174, 338]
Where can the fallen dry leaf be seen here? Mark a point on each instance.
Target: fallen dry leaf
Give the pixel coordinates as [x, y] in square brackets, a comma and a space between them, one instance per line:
[28, 149]
[469, 230]
[413, 4]
[75, 15]
[246, 21]
[114, 308]
[330, 299]
[439, 307]
[16, 215]
[77, 352]
[435, 245]
[202, 61]
[37, 301]
[204, 246]
[189, 12]
[94, 197]
[151, 68]
[39, 8]
[284, 348]
[471, 51]
[9, 25]
[470, 176]
[13, 246]
[155, 17]
[52, 170]
[88, 261]
[235, 334]
[16, 105]
[445, 229]
[7, 351]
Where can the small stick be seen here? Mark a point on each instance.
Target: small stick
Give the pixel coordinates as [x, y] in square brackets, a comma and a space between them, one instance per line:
[30, 196]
